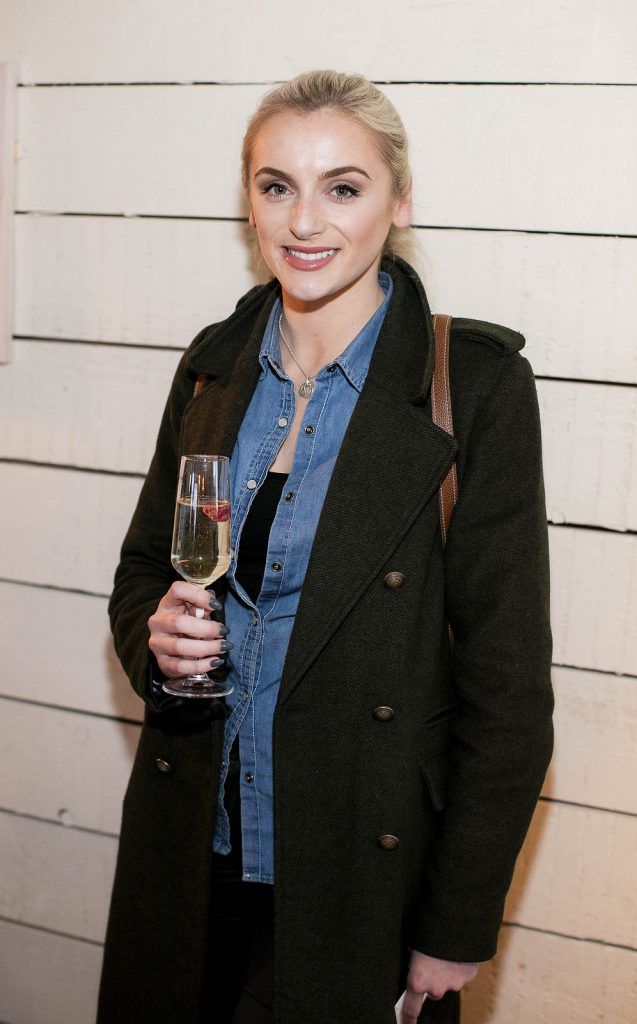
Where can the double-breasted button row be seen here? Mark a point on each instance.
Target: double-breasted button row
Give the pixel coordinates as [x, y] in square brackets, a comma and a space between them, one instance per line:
[388, 842]
[163, 766]
[394, 580]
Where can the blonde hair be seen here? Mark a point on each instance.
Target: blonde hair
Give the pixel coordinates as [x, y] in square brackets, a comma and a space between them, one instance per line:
[355, 96]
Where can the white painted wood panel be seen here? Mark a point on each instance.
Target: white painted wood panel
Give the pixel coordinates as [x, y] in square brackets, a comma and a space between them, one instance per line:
[64, 766]
[548, 979]
[131, 41]
[594, 572]
[94, 406]
[595, 756]
[505, 157]
[157, 282]
[594, 599]
[63, 527]
[143, 282]
[47, 979]
[73, 664]
[575, 875]
[589, 448]
[55, 877]
[100, 406]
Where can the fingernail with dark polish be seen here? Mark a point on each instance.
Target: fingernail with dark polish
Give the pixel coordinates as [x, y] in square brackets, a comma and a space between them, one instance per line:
[216, 662]
[217, 605]
[225, 645]
[224, 630]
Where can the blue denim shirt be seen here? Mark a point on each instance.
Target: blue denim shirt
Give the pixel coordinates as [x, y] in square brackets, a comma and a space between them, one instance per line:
[261, 632]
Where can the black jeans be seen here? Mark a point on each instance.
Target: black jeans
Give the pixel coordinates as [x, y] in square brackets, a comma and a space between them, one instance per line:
[239, 973]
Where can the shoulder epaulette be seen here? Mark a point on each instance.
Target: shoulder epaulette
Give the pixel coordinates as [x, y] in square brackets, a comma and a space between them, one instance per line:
[501, 339]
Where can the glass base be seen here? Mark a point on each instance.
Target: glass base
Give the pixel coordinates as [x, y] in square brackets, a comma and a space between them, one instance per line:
[197, 686]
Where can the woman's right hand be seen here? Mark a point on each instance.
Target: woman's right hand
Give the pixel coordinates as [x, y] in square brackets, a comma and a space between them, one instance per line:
[182, 644]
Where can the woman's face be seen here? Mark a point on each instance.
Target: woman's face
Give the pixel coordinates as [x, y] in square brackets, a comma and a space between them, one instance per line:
[321, 201]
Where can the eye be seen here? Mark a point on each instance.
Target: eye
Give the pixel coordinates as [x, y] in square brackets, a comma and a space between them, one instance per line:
[272, 190]
[345, 192]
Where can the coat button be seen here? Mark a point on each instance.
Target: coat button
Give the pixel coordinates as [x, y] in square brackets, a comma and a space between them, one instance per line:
[387, 842]
[163, 766]
[394, 580]
[383, 714]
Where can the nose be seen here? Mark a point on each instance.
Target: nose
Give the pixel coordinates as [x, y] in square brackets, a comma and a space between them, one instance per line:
[306, 218]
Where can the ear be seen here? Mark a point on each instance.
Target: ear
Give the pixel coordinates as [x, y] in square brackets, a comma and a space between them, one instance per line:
[251, 220]
[403, 210]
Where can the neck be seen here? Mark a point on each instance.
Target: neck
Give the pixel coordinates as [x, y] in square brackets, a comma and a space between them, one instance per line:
[318, 333]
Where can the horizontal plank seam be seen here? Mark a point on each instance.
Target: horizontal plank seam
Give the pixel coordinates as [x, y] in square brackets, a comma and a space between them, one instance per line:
[68, 466]
[54, 586]
[376, 81]
[51, 931]
[565, 935]
[86, 712]
[585, 380]
[12, 813]
[592, 526]
[244, 220]
[587, 668]
[587, 807]
[139, 346]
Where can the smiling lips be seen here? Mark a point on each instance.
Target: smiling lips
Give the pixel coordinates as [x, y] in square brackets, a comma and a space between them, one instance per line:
[308, 258]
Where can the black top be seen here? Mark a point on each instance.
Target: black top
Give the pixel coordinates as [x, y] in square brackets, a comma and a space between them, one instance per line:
[256, 532]
[250, 567]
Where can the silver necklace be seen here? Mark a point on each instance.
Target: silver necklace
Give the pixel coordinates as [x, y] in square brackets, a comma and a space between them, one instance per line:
[308, 385]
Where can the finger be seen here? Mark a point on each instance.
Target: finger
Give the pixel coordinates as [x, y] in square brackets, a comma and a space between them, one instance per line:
[183, 647]
[185, 667]
[412, 1007]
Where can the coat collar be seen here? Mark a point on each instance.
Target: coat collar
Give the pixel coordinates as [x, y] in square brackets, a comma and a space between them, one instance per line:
[407, 322]
[390, 463]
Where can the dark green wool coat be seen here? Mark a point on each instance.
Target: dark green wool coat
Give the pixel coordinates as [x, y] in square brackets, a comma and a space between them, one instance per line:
[454, 774]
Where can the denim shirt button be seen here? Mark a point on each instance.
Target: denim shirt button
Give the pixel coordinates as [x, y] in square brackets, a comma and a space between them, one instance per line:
[251, 484]
[309, 430]
[276, 566]
[282, 421]
[249, 777]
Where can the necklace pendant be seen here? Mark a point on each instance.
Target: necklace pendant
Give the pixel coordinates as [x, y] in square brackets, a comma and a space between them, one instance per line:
[306, 388]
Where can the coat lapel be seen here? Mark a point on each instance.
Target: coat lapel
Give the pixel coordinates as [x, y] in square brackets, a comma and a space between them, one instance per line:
[390, 464]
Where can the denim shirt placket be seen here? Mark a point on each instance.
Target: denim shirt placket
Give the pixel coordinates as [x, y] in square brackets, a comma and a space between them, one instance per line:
[250, 665]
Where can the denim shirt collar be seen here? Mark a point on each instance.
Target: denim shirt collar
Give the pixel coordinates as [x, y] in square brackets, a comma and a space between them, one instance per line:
[353, 361]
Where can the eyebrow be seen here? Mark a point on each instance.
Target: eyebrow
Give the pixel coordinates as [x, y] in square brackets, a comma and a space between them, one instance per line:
[335, 173]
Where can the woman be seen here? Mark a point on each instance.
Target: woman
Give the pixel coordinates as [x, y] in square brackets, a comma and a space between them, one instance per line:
[345, 825]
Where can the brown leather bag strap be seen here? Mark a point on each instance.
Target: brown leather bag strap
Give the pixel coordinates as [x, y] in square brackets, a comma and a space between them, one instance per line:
[199, 383]
[441, 415]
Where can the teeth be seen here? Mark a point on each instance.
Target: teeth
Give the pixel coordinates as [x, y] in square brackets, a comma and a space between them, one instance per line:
[311, 257]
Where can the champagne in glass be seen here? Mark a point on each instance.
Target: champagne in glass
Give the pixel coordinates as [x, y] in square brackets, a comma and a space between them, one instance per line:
[201, 545]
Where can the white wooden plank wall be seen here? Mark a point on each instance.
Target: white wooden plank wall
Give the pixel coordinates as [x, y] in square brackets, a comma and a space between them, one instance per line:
[130, 235]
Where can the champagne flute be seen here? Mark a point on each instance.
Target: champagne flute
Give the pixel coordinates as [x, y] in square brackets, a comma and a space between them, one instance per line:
[201, 546]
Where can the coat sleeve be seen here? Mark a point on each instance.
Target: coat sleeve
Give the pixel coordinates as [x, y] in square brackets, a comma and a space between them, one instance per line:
[497, 601]
[145, 573]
